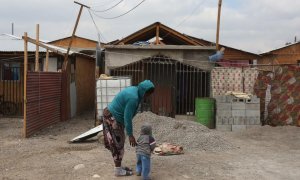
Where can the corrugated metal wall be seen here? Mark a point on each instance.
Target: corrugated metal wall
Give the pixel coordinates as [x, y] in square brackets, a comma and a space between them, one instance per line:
[44, 94]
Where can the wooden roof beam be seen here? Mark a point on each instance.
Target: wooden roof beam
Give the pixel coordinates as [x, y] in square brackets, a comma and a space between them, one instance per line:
[137, 34]
[157, 35]
[184, 38]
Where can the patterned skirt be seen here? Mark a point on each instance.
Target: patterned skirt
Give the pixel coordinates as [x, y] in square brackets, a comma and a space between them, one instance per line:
[114, 135]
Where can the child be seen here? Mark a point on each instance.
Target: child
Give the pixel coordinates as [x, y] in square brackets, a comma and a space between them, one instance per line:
[145, 145]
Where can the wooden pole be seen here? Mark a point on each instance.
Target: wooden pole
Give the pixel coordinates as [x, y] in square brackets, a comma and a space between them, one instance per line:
[47, 60]
[43, 46]
[72, 37]
[157, 35]
[25, 82]
[37, 48]
[66, 66]
[218, 24]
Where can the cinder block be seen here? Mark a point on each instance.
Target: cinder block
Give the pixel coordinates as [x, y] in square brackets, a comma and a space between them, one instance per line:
[219, 120]
[223, 106]
[223, 113]
[254, 120]
[252, 106]
[229, 98]
[238, 105]
[253, 99]
[252, 113]
[257, 120]
[239, 120]
[250, 121]
[225, 121]
[236, 128]
[224, 127]
[253, 126]
[221, 99]
[238, 113]
[240, 100]
[230, 120]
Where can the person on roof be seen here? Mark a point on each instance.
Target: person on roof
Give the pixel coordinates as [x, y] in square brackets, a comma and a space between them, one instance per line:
[118, 116]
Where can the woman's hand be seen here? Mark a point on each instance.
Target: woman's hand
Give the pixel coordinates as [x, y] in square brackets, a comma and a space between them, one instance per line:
[132, 141]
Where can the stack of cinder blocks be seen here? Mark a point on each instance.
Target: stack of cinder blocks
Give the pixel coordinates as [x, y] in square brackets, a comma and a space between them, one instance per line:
[237, 114]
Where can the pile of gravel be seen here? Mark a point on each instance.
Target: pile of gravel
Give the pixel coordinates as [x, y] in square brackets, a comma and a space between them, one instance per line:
[191, 135]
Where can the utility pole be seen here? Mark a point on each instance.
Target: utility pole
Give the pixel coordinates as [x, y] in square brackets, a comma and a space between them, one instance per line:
[66, 67]
[218, 24]
[74, 30]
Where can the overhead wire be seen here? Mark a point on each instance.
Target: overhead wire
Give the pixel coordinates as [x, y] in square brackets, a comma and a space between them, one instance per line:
[108, 8]
[101, 4]
[120, 14]
[97, 29]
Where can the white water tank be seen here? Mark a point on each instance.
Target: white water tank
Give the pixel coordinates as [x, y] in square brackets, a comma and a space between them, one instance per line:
[107, 89]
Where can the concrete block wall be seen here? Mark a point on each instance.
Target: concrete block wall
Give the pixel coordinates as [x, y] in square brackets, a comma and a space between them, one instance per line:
[236, 114]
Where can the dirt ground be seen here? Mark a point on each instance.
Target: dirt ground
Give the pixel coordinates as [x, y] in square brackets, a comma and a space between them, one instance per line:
[261, 153]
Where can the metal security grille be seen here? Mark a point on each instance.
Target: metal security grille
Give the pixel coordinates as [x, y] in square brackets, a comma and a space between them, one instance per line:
[176, 84]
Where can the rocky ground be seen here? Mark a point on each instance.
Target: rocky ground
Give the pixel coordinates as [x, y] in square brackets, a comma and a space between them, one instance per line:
[261, 153]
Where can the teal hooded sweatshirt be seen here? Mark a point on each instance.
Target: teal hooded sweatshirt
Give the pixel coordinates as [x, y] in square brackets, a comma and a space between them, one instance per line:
[125, 104]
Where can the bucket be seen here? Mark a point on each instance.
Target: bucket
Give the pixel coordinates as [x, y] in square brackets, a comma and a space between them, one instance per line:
[205, 111]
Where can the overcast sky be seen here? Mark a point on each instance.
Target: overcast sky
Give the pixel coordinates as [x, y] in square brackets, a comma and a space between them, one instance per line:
[251, 25]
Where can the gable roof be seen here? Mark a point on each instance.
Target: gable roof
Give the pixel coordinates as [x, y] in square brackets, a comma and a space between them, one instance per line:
[281, 48]
[230, 52]
[162, 34]
[66, 38]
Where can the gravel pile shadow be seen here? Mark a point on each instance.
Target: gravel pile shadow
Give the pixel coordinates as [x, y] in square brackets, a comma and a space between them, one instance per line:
[191, 135]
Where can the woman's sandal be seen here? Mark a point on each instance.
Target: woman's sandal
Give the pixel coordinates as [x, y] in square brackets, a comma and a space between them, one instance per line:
[127, 168]
[129, 173]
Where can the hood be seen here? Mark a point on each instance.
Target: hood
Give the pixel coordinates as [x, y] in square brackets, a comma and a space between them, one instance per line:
[146, 129]
[144, 86]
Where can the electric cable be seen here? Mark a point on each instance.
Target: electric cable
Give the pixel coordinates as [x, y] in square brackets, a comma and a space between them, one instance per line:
[108, 8]
[97, 29]
[120, 14]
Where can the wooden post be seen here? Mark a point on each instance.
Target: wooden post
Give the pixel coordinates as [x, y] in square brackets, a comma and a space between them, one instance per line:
[218, 24]
[37, 48]
[47, 60]
[157, 35]
[72, 37]
[25, 82]
[66, 66]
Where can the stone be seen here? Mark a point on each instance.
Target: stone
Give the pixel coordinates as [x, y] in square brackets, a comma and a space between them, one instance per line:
[79, 166]
[96, 176]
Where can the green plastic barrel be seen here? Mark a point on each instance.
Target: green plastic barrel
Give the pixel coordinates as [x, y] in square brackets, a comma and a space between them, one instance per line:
[205, 111]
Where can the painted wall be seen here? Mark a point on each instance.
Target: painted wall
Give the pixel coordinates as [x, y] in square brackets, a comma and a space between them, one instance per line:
[120, 57]
[85, 84]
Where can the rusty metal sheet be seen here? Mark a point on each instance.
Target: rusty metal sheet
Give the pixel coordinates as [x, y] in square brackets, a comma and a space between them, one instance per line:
[44, 96]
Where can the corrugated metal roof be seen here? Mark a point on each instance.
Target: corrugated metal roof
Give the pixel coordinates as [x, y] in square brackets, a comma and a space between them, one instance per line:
[10, 43]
